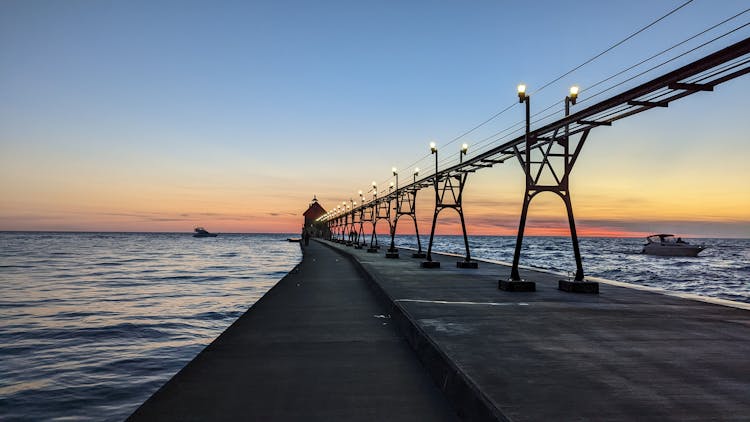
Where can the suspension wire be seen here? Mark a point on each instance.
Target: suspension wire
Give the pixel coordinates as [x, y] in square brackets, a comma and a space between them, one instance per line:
[664, 51]
[588, 98]
[666, 62]
[614, 46]
[492, 137]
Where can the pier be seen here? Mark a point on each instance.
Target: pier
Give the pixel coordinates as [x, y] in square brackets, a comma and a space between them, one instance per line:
[361, 333]
[353, 335]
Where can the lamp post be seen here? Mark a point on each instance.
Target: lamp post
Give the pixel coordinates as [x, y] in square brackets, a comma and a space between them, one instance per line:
[434, 151]
[571, 99]
[464, 149]
[374, 237]
[345, 216]
[338, 223]
[392, 251]
[419, 253]
[523, 98]
[361, 222]
[352, 231]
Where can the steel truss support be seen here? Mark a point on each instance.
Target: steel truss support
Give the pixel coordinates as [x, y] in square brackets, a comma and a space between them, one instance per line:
[449, 194]
[350, 231]
[548, 166]
[366, 215]
[406, 204]
[353, 232]
[381, 211]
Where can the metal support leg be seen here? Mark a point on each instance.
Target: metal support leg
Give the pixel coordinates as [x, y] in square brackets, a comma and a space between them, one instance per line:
[574, 237]
[373, 239]
[515, 284]
[419, 253]
[393, 235]
[578, 285]
[467, 262]
[514, 275]
[430, 263]
[392, 251]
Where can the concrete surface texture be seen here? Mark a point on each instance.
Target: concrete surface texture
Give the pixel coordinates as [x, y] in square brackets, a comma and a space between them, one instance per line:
[318, 346]
[621, 355]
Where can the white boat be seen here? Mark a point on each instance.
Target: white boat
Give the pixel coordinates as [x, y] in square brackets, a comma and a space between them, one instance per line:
[667, 245]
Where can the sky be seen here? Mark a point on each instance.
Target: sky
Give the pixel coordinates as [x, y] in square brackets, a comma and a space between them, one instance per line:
[162, 115]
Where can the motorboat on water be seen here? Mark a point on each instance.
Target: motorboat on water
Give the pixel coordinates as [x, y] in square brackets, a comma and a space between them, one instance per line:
[201, 232]
[667, 245]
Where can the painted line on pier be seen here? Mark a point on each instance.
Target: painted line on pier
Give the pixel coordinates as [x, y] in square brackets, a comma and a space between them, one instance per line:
[445, 302]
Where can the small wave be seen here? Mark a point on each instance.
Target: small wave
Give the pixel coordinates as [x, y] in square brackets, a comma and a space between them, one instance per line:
[213, 316]
[122, 330]
[179, 277]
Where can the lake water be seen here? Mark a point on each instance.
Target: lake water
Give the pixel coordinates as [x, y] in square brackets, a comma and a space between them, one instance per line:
[91, 324]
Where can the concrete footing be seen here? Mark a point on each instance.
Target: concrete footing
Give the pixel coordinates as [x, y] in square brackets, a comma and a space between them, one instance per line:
[372, 249]
[391, 254]
[419, 255]
[467, 264]
[516, 286]
[430, 264]
[578, 286]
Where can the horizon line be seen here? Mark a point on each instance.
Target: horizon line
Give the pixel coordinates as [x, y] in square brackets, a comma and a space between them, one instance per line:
[634, 236]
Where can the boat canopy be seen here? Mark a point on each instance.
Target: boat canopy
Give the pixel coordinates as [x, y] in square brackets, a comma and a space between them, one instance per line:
[661, 237]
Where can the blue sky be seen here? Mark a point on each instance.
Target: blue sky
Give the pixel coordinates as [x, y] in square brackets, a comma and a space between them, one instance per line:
[246, 109]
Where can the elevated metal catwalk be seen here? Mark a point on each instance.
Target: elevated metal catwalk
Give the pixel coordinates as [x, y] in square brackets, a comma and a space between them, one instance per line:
[549, 153]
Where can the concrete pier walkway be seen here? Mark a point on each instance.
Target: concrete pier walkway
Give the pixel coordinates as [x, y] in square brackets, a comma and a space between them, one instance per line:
[318, 346]
[324, 344]
[622, 355]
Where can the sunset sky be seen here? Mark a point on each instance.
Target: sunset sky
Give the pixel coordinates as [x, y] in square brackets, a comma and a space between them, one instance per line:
[163, 115]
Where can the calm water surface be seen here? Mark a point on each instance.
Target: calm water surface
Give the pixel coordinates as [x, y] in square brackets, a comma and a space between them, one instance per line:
[91, 324]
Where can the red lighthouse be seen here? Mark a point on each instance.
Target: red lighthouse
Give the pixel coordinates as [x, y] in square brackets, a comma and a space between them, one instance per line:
[314, 211]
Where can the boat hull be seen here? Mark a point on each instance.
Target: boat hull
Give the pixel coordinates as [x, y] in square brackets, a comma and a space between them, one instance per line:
[205, 235]
[670, 250]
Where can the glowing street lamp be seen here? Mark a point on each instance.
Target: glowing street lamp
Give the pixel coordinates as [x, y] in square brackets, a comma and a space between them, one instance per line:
[573, 94]
[522, 93]
[464, 149]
